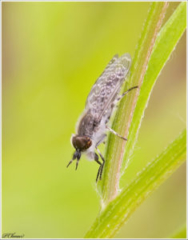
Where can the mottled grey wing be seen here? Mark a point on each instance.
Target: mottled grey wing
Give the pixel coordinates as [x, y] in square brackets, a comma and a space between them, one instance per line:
[108, 85]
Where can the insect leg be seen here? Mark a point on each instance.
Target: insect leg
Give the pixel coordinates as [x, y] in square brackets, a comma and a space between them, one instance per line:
[121, 96]
[115, 133]
[115, 104]
[96, 158]
[102, 164]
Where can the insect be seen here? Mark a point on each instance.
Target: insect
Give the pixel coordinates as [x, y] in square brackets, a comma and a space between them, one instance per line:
[100, 103]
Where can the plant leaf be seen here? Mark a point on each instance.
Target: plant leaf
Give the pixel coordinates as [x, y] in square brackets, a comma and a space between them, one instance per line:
[156, 172]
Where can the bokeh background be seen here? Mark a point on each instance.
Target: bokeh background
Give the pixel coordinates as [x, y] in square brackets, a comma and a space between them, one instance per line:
[52, 55]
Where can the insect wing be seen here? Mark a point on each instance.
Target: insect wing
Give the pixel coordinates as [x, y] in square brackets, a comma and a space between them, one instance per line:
[107, 86]
[96, 87]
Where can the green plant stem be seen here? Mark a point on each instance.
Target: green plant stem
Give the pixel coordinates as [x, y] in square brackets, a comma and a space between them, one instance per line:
[118, 211]
[115, 147]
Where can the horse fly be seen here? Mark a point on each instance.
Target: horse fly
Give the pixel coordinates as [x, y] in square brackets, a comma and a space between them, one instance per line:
[100, 103]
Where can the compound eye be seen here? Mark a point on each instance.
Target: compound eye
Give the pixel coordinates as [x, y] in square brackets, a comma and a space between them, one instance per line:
[81, 143]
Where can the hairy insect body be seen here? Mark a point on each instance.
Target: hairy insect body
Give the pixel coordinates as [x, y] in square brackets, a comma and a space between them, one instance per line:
[100, 103]
[87, 125]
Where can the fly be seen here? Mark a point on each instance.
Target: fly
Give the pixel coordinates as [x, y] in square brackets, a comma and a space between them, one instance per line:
[100, 103]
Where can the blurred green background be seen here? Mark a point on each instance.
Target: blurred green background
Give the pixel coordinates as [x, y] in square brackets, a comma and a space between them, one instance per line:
[52, 55]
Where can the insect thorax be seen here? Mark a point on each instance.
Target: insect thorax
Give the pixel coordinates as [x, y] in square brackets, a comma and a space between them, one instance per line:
[88, 125]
